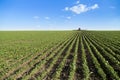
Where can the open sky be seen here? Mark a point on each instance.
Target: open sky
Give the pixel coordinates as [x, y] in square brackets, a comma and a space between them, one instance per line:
[59, 14]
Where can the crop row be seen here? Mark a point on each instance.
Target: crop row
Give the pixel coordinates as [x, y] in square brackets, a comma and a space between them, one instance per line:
[79, 55]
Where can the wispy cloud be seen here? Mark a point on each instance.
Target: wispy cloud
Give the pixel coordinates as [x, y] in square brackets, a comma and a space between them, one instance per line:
[77, 2]
[47, 18]
[81, 8]
[112, 7]
[93, 7]
[68, 17]
[66, 8]
[38, 26]
[36, 17]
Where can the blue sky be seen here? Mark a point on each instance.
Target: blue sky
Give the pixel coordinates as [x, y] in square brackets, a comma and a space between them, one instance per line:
[59, 14]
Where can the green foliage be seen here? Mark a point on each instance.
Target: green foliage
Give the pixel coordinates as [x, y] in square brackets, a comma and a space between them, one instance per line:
[43, 55]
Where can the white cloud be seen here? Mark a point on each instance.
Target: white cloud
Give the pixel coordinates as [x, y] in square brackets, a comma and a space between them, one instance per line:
[47, 18]
[68, 17]
[77, 2]
[66, 8]
[36, 17]
[94, 6]
[80, 8]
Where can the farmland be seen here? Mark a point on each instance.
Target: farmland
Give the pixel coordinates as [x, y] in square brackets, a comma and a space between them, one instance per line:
[60, 55]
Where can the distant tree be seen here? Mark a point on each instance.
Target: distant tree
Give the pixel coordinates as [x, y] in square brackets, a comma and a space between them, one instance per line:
[79, 29]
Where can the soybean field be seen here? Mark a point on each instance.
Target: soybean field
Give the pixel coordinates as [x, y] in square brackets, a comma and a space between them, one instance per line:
[60, 55]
